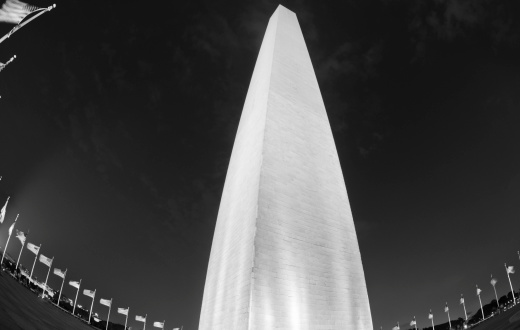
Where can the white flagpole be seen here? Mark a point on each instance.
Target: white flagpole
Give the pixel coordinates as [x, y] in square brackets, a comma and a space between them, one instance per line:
[92, 306]
[494, 289]
[34, 263]
[3, 254]
[8, 62]
[481, 309]
[127, 312]
[447, 310]
[496, 296]
[79, 286]
[512, 291]
[45, 285]
[19, 255]
[415, 323]
[145, 316]
[433, 325]
[7, 243]
[164, 322]
[109, 308]
[464, 305]
[22, 24]
[59, 296]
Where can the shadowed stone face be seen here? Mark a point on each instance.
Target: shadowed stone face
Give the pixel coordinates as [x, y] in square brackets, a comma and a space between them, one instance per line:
[285, 253]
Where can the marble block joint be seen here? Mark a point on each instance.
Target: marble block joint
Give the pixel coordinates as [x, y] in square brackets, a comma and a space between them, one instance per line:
[285, 253]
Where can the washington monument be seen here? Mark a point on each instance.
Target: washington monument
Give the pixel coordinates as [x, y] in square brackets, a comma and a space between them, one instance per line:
[285, 253]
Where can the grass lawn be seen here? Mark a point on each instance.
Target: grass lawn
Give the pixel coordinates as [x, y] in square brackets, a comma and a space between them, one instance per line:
[22, 309]
[507, 320]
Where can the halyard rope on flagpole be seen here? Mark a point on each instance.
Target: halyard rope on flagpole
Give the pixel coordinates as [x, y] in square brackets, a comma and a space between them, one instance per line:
[23, 23]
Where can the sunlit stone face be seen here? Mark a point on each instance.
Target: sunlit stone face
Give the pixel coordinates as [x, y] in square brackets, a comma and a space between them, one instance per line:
[285, 253]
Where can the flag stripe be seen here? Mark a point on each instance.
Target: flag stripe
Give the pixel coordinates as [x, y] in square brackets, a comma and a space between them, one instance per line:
[59, 272]
[45, 260]
[2, 213]
[33, 248]
[14, 11]
[89, 293]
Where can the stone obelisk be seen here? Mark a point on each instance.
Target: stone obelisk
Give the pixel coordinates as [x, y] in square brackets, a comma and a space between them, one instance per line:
[285, 253]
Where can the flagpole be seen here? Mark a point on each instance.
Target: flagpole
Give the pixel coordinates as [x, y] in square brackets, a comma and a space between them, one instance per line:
[34, 263]
[6, 63]
[8, 238]
[3, 254]
[91, 306]
[109, 308]
[126, 321]
[19, 255]
[464, 305]
[481, 309]
[22, 24]
[447, 310]
[45, 285]
[509, 278]
[145, 316]
[79, 286]
[59, 296]
[494, 289]
[415, 323]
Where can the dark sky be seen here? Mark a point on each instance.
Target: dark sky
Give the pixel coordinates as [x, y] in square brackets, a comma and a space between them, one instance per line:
[117, 121]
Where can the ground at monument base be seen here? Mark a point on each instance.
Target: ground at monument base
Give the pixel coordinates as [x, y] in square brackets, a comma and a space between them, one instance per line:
[508, 320]
[21, 309]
